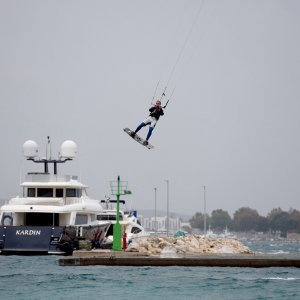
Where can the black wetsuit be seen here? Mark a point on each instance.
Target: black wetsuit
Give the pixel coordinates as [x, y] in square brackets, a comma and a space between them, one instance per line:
[156, 112]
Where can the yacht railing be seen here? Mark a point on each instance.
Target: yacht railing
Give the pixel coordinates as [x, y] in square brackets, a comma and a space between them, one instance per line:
[46, 177]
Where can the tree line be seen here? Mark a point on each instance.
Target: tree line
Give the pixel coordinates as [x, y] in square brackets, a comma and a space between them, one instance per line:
[247, 219]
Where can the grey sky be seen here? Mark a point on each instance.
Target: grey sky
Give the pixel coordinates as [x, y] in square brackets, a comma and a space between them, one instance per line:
[84, 70]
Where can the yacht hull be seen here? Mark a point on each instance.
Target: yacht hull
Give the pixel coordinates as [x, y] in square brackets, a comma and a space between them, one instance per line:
[33, 240]
[43, 240]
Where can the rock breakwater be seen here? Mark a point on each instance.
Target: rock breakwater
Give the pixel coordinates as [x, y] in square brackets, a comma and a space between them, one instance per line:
[188, 245]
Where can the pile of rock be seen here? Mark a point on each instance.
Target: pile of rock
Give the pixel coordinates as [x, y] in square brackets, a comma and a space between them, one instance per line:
[189, 245]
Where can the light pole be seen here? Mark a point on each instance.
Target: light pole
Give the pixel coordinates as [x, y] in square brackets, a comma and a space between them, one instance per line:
[155, 224]
[204, 195]
[167, 181]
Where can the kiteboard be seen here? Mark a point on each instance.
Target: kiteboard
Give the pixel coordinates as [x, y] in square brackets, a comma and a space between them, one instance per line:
[138, 138]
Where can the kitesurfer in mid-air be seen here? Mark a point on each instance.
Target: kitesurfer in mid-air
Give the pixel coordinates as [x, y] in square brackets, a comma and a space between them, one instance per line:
[155, 112]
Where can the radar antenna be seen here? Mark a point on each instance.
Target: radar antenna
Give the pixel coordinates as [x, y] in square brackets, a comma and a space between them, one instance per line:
[68, 152]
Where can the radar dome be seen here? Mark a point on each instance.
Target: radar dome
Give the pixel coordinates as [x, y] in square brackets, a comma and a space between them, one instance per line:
[30, 149]
[68, 149]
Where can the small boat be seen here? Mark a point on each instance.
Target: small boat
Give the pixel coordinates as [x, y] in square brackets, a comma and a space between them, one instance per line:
[228, 235]
[210, 233]
[54, 214]
[129, 222]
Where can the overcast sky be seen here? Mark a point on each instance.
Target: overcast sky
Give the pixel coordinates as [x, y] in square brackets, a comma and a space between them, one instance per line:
[84, 70]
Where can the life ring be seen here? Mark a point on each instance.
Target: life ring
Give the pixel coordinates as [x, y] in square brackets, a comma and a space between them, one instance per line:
[7, 220]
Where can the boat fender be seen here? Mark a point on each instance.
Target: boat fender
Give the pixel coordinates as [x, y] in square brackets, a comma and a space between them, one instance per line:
[7, 220]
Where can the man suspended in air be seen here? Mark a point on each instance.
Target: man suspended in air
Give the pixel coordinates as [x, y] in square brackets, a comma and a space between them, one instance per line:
[155, 112]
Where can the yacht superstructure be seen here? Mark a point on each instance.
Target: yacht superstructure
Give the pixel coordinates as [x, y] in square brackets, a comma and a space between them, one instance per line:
[53, 213]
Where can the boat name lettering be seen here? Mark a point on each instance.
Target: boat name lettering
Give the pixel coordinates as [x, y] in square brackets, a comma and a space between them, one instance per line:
[28, 232]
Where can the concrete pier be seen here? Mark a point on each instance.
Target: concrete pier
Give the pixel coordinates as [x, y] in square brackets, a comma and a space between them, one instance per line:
[221, 260]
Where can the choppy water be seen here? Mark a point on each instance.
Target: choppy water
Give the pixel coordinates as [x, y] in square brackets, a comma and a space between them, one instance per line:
[276, 247]
[40, 277]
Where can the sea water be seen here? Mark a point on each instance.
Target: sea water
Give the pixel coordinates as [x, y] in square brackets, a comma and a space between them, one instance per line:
[41, 277]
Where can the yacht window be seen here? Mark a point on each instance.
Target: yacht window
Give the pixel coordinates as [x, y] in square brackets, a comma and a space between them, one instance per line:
[108, 217]
[135, 230]
[41, 219]
[59, 193]
[45, 192]
[110, 230]
[73, 193]
[31, 192]
[81, 219]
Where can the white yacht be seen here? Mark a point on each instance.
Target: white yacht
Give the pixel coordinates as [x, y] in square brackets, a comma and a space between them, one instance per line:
[128, 220]
[53, 214]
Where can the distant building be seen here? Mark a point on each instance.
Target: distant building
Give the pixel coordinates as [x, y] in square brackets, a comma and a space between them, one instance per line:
[161, 224]
[292, 236]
